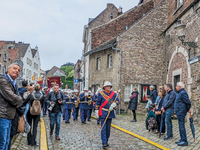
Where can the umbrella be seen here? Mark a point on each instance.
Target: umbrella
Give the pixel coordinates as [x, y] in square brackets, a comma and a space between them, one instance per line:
[162, 118]
[192, 126]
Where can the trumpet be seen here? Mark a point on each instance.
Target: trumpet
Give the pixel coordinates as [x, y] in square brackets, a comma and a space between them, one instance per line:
[89, 96]
[73, 96]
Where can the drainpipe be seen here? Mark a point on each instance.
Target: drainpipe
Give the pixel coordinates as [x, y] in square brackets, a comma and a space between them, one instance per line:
[119, 69]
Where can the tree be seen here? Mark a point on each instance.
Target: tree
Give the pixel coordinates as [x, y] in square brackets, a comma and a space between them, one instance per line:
[71, 74]
[67, 69]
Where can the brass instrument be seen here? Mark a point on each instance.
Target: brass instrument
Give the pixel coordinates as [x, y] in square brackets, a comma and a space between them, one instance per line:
[89, 97]
[73, 96]
[77, 102]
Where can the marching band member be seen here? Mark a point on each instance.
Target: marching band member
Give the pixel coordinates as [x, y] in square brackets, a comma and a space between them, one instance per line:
[76, 105]
[83, 105]
[90, 105]
[65, 105]
[107, 100]
[95, 100]
[69, 103]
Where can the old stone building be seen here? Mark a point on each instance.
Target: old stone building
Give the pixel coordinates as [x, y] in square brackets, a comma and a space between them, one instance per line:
[136, 36]
[106, 15]
[181, 61]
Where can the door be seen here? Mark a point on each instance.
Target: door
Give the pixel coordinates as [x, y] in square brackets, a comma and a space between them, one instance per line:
[176, 79]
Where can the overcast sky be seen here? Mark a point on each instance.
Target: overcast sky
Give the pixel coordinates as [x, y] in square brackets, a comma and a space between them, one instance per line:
[55, 26]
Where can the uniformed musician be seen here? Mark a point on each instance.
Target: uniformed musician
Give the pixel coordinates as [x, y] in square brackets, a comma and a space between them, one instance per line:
[83, 105]
[107, 100]
[95, 100]
[65, 105]
[90, 105]
[76, 105]
[69, 103]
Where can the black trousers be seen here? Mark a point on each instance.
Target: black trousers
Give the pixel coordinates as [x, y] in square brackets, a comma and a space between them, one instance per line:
[33, 122]
[158, 119]
[134, 114]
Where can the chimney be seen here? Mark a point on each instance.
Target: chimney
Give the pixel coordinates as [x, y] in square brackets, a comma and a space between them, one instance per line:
[36, 47]
[119, 11]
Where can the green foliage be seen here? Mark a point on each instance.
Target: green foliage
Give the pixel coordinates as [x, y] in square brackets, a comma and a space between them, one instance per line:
[67, 81]
[71, 74]
[67, 69]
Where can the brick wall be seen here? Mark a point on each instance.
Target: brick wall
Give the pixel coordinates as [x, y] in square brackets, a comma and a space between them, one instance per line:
[142, 51]
[116, 26]
[192, 21]
[174, 11]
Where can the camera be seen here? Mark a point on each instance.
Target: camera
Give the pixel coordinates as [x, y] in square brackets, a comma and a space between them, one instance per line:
[51, 106]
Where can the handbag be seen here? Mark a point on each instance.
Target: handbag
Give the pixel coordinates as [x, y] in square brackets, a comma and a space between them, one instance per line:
[21, 123]
[157, 113]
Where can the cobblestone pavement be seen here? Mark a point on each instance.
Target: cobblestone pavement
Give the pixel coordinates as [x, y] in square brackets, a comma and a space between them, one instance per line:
[138, 127]
[21, 142]
[77, 136]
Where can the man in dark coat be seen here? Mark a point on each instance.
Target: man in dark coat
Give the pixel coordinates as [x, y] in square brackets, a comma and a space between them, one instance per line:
[133, 103]
[153, 94]
[168, 108]
[9, 100]
[181, 107]
[23, 89]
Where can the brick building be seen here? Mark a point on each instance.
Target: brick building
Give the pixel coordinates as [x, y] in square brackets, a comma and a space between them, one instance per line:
[137, 33]
[181, 61]
[7, 55]
[106, 15]
[77, 75]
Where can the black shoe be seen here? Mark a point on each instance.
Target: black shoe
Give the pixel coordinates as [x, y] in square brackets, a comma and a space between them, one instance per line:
[167, 137]
[183, 144]
[74, 119]
[67, 122]
[105, 145]
[177, 142]
[134, 120]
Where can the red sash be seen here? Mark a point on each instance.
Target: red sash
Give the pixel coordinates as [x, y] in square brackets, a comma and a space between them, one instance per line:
[105, 102]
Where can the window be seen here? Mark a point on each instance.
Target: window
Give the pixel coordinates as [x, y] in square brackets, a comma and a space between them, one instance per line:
[128, 90]
[5, 57]
[109, 58]
[98, 63]
[179, 3]
[27, 73]
[4, 69]
[0, 69]
[10, 47]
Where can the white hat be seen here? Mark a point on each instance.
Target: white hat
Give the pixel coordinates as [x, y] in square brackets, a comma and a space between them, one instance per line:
[85, 89]
[81, 92]
[107, 83]
[76, 91]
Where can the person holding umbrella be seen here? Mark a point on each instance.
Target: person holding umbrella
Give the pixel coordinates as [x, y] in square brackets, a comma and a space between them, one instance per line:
[181, 107]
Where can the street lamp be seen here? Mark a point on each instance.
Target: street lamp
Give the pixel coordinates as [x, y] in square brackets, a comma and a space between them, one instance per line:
[180, 30]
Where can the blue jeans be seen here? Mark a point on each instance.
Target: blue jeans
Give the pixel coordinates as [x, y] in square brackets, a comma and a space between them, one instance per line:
[26, 110]
[168, 122]
[67, 114]
[44, 108]
[55, 118]
[5, 127]
[181, 123]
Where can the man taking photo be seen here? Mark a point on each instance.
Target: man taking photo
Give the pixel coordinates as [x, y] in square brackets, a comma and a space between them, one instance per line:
[56, 100]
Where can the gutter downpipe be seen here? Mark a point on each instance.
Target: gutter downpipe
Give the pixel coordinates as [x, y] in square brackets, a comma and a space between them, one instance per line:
[119, 69]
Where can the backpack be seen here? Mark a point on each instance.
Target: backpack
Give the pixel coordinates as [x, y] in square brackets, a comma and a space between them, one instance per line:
[152, 123]
[35, 109]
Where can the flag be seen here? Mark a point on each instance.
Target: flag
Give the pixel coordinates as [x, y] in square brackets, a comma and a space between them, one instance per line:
[33, 78]
[39, 79]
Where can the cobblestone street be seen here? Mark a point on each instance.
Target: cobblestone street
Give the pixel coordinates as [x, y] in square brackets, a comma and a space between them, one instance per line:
[78, 136]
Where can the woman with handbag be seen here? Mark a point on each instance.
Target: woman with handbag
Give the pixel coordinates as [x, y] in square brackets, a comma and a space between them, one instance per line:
[133, 103]
[35, 107]
[158, 111]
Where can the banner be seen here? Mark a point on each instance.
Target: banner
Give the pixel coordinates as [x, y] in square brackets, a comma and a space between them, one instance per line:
[40, 83]
[53, 80]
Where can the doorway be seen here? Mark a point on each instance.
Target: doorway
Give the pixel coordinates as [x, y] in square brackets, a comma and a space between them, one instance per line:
[176, 79]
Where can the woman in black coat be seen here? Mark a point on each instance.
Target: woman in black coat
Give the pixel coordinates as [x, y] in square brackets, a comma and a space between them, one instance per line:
[31, 137]
[133, 103]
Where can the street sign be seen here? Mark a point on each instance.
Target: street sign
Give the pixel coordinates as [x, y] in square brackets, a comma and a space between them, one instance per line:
[194, 60]
[75, 80]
